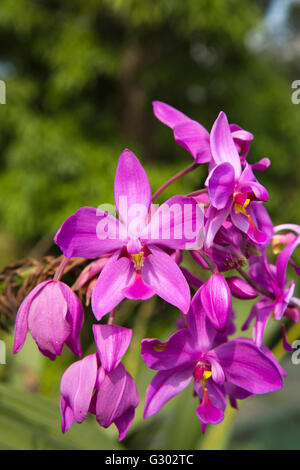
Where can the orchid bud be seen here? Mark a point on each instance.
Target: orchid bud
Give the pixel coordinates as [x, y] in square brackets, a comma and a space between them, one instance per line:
[216, 300]
[54, 316]
[240, 288]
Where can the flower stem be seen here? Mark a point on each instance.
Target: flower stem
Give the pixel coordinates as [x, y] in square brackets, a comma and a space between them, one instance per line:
[211, 264]
[60, 270]
[111, 317]
[197, 193]
[252, 283]
[183, 172]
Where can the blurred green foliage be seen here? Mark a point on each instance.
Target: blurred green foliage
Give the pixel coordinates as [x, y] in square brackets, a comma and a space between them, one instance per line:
[81, 76]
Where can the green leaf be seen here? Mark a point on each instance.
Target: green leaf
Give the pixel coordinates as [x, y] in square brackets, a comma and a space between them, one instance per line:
[29, 421]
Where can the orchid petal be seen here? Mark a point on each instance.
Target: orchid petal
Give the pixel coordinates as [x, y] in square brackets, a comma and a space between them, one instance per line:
[117, 274]
[47, 320]
[215, 220]
[138, 289]
[176, 224]
[132, 189]
[199, 325]
[220, 184]
[75, 318]
[117, 399]
[77, 385]
[283, 259]
[165, 277]
[21, 325]
[167, 114]
[89, 233]
[175, 352]
[216, 300]
[207, 412]
[112, 343]
[195, 139]
[164, 386]
[222, 145]
[247, 367]
[240, 288]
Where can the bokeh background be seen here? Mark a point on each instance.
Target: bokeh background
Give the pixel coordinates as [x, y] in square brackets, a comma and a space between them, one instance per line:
[80, 78]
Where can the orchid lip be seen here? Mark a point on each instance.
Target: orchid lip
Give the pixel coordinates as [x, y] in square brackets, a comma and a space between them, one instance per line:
[202, 372]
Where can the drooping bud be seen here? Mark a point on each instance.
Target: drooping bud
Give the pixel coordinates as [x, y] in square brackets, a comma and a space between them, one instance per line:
[54, 316]
[240, 288]
[216, 300]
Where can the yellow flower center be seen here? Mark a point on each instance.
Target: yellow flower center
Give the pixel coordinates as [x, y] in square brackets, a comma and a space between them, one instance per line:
[241, 208]
[206, 375]
[138, 260]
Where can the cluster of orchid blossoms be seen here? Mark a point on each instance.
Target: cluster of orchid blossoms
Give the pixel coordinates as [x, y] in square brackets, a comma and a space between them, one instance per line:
[138, 254]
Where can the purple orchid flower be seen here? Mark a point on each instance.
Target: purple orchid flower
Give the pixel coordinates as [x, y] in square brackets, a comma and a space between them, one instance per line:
[54, 316]
[194, 137]
[139, 266]
[190, 354]
[100, 384]
[273, 279]
[232, 191]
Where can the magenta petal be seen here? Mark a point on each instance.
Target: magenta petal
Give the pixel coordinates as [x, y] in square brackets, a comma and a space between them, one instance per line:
[165, 277]
[21, 325]
[77, 385]
[138, 290]
[164, 386]
[124, 422]
[220, 184]
[262, 311]
[222, 145]
[267, 353]
[216, 300]
[240, 288]
[215, 220]
[90, 271]
[89, 233]
[195, 139]
[240, 221]
[248, 183]
[177, 351]
[282, 303]
[262, 221]
[47, 318]
[167, 114]
[200, 327]
[112, 343]
[261, 165]
[117, 274]
[67, 415]
[177, 224]
[283, 259]
[247, 367]
[218, 375]
[117, 399]
[131, 188]
[207, 412]
[75, 318]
